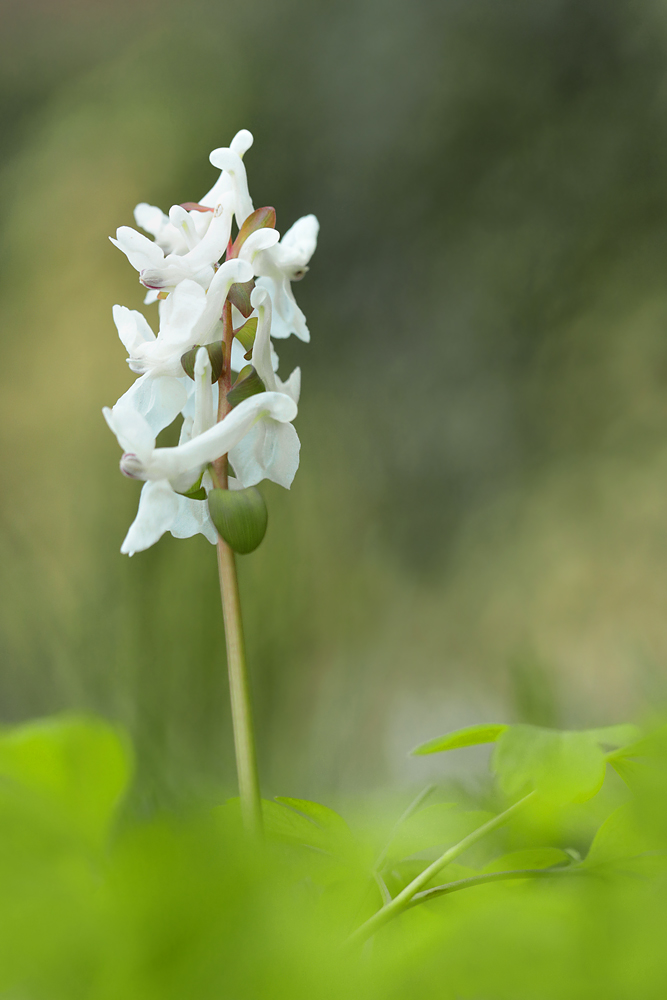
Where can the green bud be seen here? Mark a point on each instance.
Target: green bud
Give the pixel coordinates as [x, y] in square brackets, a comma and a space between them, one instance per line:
[247, 384]
[240, 517]
[246, 335]
[261, 218]
[215, 354]
[239, 296]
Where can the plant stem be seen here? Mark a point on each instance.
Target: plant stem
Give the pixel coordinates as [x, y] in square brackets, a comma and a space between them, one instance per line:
[239, 687]
[403, 900]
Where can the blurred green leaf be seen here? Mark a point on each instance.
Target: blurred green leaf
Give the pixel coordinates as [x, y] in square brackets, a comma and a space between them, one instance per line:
[79, 766]
[435, 826]
[562, 766]
[321, 815]
[532, 857]
[468, 737]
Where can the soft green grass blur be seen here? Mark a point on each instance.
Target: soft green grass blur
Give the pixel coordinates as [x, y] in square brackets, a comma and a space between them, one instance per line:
[478, 529]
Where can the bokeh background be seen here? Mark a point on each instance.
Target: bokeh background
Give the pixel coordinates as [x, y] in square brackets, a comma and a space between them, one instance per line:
[478, 530]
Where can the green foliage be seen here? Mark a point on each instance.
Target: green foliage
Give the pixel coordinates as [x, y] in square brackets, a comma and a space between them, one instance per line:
[97, 905]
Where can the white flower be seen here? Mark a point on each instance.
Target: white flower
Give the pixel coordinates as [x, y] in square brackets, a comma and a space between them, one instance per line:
[282, 264]
[168, 236]
[182, 464]
[233, 177]
[157, 271]
[270, 449]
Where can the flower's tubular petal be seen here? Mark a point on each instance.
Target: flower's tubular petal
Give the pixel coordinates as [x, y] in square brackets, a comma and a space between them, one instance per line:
[140, 251]
[133, 328]
[241, 142]
[153, 220]
[132, 430]
[227, 160]
[261, 239]
[269, 451]
[212, 246]
[229, 273]
[261, 350]
[204, 412]
[184, 224]
[169, 463]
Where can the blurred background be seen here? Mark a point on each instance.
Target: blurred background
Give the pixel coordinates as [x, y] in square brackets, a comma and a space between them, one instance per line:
[478, 530]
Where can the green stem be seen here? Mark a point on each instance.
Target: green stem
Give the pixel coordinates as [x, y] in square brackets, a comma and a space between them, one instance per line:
[403, 900]
[239, 687]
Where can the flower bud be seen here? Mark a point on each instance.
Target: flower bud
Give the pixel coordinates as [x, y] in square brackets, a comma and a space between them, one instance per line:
[240, 517]
[215, 354]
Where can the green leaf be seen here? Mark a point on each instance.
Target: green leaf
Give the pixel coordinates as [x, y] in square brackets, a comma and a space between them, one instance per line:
[435, 826]
[468, 737]
[321, 815]
[561, 766]
[246, 335]
[261, 218]
[247, 384]
[239, 296]
[240, 517]
[79, 766]
[215, 353]
[533, 857]
[621, 837]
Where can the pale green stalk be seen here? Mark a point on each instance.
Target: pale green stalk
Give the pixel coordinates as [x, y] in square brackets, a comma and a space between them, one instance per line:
[403, 900]
[239, 686]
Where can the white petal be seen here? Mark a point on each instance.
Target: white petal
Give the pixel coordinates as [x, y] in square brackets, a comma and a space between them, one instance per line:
[261, 349]
[214, 243]
[292, 386]
[158, 398]
[132, 430]
[158, 509]
[139, 250]
[241, 142]
[229, 161]
[169, 463]
[269, 451]
[133, 328]
[302, 238]
[193, 518]
[261, 239]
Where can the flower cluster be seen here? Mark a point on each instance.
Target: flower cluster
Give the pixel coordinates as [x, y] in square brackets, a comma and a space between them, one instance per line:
[221, 277]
